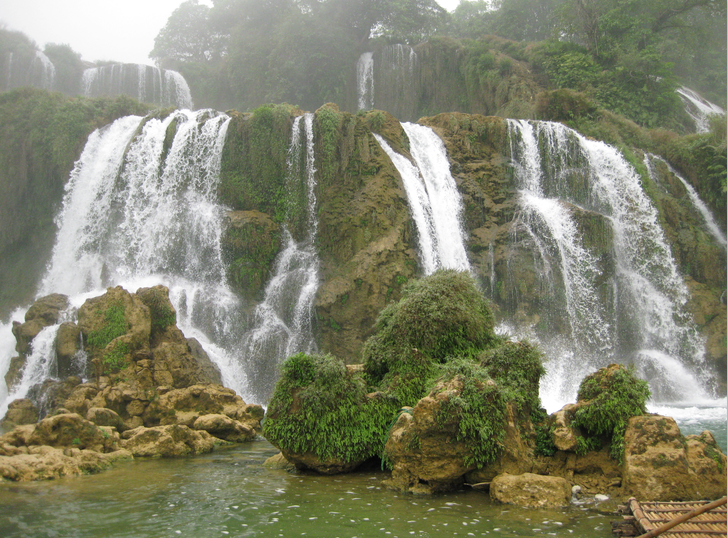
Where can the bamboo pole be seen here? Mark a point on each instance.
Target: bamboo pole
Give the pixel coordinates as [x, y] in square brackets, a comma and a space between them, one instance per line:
[675, 522]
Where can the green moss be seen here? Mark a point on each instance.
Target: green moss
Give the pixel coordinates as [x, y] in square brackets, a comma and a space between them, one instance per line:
[116, 360]
[114, 325]
[318, 407]
[517, 367]
[611, 396]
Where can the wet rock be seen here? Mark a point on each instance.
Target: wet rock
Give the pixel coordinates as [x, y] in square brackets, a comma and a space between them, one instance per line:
[67, 345]
[167, 441]
[21, 411]
[45, 462]
[531, 490]
[225, 428]
[72, 431]
[564, 436]
[105, 417]
[662, 465]
[279, 461]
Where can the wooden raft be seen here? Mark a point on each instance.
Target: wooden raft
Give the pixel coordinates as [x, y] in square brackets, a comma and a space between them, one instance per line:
[650, 518]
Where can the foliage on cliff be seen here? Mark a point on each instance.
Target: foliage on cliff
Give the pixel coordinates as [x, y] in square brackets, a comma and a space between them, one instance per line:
[606, 400]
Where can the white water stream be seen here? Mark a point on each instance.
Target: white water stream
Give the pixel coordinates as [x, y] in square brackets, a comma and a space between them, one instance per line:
[647, 292]
[433, 198]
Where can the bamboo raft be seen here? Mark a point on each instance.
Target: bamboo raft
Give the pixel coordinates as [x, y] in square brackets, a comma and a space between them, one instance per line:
[673, 519]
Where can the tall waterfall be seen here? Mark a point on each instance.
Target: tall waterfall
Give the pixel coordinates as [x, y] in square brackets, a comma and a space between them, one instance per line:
[27, 68]
[283, 319]
[698, 108]
[433, 198]
[365, 81]
[143, 82]
[139, 211]
[639, 314]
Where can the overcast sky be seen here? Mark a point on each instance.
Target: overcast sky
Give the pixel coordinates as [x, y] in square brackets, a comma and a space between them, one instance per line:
[119, 30]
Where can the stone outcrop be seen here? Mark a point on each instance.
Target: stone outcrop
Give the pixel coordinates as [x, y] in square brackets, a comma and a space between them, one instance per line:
[663, 465]
[531, 490]
[20, 412]
[167, 441]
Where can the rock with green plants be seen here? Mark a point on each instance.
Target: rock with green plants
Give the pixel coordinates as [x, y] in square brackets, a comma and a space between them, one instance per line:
[150, 392]
[443, 401]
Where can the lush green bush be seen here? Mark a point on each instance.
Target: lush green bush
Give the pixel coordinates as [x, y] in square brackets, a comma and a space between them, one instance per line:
[608, 398]
[440, 316]
[319, 407]
[517, 368]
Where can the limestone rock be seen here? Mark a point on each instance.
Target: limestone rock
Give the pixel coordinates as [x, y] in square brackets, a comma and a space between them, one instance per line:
[45, 462]
[167, 441]
[67, 345]
[47, 309]
[279, 461]
[563, 435]
[225, 428]
[328, 466]
[531, 490]
[105, 417]
[15, 371]
[52, 394]
[662, 465]
[72, 431]
[20, 412]
[425, 454]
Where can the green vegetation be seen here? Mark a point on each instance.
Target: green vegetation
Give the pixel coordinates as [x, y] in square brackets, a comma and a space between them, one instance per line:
[438, 338]
[608, 398]
[115, 325]
[319, 407]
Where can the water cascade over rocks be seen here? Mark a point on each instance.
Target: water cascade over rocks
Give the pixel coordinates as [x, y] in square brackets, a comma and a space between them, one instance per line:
[387, 80]
[698, 108]
[145, 83]
[33, 69]
[637, 313]
[433, 198]
[283, 320]
[365, 81]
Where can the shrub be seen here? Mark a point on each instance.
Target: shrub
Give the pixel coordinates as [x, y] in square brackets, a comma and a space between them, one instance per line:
[609, 397]
[319, 407]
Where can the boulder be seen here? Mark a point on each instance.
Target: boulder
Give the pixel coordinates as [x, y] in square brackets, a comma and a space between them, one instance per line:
[167, 441]
[72, 431]
[105, 417]
[531, 490]
[45, 462]
[313, 462]
[52, 394]
[279, 461]
[47, 309]
[660, 464]
[67, 345]
[21, 411]
[15, 371]
[564, 436]
[425, 454]
[225, 428]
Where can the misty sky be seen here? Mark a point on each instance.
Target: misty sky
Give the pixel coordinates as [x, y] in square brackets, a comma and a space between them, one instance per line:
[119, 30]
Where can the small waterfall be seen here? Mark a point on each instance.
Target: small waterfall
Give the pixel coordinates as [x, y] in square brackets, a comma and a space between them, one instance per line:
[44, 72]
[698, 108]
[645, 316]
[433, 198]
[283, 320]
[365, 81]
[396, 71]
[710, 223]
[142, 82]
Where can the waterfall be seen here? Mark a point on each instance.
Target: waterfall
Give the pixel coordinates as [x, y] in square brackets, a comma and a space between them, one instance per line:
[641, 314]
[433, 198]
[141, 209]
[365, 81]
[142, 82]
[395, 69]
[283, 320]
[698, 108]
[44, 72]
[710, 224]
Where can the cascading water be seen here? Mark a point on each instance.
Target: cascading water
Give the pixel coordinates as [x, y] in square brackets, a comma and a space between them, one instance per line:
[641, 317]
[283, 319]
[44, 72]
[27, 68]
[365, 81]
[699, 109]
[143, 82]
[710, 224]
[395, 74]
[433, 199]
[139, 212]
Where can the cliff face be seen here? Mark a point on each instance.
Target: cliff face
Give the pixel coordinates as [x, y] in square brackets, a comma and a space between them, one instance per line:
[365, 238]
